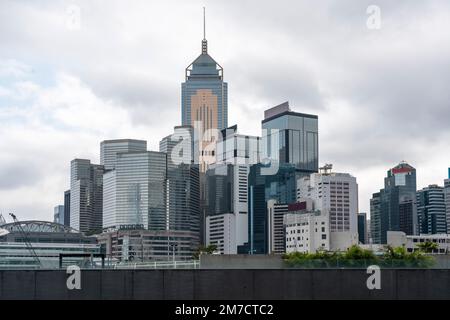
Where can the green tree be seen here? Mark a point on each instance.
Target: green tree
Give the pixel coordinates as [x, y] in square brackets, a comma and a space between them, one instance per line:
[356, 256]
[357, 253]
[205, 250]
[428, 246]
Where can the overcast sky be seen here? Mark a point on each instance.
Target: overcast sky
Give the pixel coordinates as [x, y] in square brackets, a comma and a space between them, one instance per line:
[382, 95]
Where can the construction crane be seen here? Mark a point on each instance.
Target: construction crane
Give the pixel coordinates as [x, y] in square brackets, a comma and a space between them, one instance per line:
[26, 240]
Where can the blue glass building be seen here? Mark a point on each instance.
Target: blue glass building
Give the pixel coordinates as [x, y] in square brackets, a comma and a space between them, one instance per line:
[431, 210]
[280, 187]
[204, 106]
[290, 145]
[291, 137]
[204, 93]
[362, 228]
[394, 207]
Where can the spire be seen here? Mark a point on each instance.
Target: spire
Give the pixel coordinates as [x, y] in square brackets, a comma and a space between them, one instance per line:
[204, 42]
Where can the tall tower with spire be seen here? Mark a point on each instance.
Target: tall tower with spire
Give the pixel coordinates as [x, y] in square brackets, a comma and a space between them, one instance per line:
[204, 93]
[204, 106]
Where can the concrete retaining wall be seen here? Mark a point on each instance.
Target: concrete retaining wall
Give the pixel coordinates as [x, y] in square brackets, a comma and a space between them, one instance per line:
[226, 284]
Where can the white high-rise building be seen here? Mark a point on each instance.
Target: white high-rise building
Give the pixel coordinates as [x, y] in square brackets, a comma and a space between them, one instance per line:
[307, 232]
[276, 228]
[227, 194]
[221, 231]
[227, 181]
[296, 227]
[336, 196]
[276, 222]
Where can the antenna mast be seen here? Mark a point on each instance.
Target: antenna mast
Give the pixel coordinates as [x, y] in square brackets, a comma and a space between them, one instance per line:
[204, 24]
[204, 42]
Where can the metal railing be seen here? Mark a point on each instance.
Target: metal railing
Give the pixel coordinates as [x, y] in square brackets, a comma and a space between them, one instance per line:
[191, 264]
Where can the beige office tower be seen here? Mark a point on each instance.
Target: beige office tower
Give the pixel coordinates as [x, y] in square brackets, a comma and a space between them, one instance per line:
[204, 106]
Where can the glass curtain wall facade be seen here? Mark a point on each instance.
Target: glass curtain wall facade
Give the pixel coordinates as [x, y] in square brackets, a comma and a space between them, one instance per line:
[447, 201]
[58, 214]
[362, 228]
[67, 208]
[280, 187]
[110, 148]
[136, 191]
[431, 210]
[86, 196]
[204, 94]
[394, 207]
[183, 184]
[219, 179]
[237, 148]
[377, 223]
[292, 137]
[290, 141]
[204, 106]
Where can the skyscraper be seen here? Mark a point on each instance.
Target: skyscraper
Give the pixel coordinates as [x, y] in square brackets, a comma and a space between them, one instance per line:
[276, 229]
[289, 151]
[86, 195]
[379, 223]
[307, 231]
[179, 146]
[227, 189]
[151, 200]
[336, 196]
[67, 208]
[280, 187]
[182, 185]
[204, 93]
[362, 227]
[238, 149]
[447, 200]
[431, 210]
[58, 214]
[110, 148]
[291, 137]
[227, 195]
[135, 191]
[395, 205]
[204, 106]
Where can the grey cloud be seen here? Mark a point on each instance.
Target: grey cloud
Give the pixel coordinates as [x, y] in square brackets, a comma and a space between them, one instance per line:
[148, 100]
[276, 81]
[16, 175]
